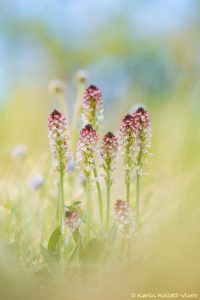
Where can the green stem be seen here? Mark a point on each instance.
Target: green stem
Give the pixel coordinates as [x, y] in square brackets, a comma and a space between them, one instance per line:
[58, 207]
[99, 195]
[122, 248]
[128, 187]
[138, 201]
[71, 181]
[108, 208]
[89, 209]
[62, 211]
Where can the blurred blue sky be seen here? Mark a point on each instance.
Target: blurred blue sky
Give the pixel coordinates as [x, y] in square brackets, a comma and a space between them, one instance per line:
[73, 21]
[77, 17]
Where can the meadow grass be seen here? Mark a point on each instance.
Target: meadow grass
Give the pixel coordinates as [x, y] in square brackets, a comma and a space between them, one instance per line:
[165, 255]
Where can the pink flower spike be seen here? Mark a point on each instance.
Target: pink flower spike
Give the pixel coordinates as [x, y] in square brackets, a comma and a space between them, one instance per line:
[57, 127]
[142, 119]
[124, 218]
[109, 148]
[92, 106]
[128, 141]
[87, 151]
[72, 220]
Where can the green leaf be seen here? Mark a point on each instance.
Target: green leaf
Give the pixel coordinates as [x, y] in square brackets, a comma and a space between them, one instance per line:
[55, 241]
[77, 202]
[73, 252]
[94, 250]
[112, 234]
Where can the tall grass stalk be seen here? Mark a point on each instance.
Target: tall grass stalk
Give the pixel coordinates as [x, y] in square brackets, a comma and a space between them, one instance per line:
[138, 201]
[89, 209]
[128, 186]
[108, 188]
[63, 105]
[99, 195]
[77, 114]
[61, 205]
[62, 211]
[128, 177]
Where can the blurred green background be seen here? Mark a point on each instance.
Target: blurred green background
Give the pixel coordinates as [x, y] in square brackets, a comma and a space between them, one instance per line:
[146, 48]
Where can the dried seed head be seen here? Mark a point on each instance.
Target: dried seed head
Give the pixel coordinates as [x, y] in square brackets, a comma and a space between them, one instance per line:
[87, 151]
[92, 106]
[124, 218]
[72, 220]
[56, 87]
[57, 127]
[81, 76]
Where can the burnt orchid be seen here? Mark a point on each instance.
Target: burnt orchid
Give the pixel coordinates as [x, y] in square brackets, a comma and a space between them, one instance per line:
[87, 150]
[72, 220]
[58, 139]
[143, 137]
[128, 148]
[92, 110]
[109, 150]
[81, 156]
[124, 219]
[87, 156]
[143, 144]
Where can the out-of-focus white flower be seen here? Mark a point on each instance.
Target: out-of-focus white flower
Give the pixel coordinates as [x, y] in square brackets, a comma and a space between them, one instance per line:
[19, 151]
[36, 182]
[81, 76]
[56, 87]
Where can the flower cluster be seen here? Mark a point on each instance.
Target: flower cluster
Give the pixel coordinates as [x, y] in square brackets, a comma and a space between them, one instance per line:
[143, 136]
[109, 150]
[87, 150]
[128, 140]
[72, 220]
[124, 218]
[132, 142]
[57, 127]
[109, 146]
[92, 106]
